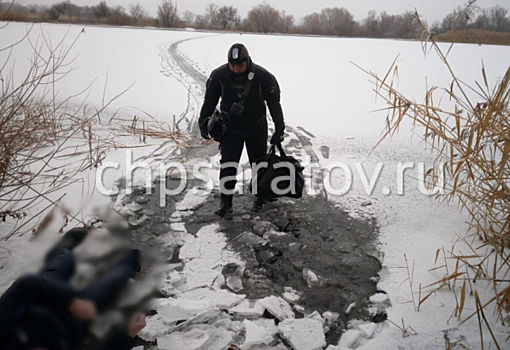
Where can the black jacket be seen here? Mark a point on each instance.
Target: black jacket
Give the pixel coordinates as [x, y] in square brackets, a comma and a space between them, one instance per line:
[230, 87]
[33, 313]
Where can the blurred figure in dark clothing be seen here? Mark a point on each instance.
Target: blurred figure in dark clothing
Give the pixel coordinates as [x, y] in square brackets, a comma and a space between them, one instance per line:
[44, 312]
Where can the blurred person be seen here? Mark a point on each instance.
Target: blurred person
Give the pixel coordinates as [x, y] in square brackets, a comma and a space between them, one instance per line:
[43, 312]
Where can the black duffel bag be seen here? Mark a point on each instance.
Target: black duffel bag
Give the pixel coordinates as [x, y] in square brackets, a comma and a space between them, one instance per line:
[278, 176]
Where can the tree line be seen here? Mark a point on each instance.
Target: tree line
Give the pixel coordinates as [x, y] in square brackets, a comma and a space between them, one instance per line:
[264, 18]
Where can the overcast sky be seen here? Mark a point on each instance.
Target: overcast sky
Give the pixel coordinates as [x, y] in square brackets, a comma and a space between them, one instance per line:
[430, 9]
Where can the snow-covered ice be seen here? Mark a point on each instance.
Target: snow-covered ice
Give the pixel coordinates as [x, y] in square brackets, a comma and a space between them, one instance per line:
[248, 308]
[277, 307]
[255, 335]
[303, 334]
[332, 100]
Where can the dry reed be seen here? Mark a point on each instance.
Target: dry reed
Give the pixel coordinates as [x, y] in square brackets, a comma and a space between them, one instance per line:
[45, 144]
[472, 139]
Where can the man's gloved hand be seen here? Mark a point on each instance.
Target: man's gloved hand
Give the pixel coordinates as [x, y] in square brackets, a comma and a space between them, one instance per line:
[278, 136]
[203, 129]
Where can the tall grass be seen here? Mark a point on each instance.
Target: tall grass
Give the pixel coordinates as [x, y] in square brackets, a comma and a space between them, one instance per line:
[48, 142]
[472, 140]
[475, 36]
[44, 144]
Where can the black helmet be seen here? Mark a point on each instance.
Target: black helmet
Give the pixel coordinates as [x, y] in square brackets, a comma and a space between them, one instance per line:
[216, 126]
[238, 54]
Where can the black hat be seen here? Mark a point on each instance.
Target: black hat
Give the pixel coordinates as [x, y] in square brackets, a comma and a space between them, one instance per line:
[238, 54]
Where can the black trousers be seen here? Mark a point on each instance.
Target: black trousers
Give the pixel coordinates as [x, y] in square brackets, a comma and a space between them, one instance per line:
[61, 264]
[231, 149]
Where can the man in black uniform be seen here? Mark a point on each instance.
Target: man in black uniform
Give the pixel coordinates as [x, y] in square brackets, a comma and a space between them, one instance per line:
[244, 113]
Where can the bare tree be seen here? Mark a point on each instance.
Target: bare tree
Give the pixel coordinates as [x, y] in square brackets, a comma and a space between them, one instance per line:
[227, 17]
[387, 24]
[331, 21]
[188, 17]
[312, 24]
[118, 16]
[460, 18]
[498, 20]
[338, 21]
[101, 10]
[263, 18]
[408, 26]
[167, 14]
[201, 21]
[286, 22]
[371, 25]
[137, 12]
[56, 10]
[211, 14]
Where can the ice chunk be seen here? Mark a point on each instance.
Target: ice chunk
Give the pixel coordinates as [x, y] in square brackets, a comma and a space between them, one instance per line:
[248, 308]
[171, 314]
[310, 277]
[350, 339]
[291, 295]
[201, 279]
[255, 335]
[317, 316]
[154, 328]
[330, 317]
[268, 324]
[192, 200]
[262, 227]
[222, 299]
[303, 334]
[277, 307]
[235, 283]
[379, 298]
[191, 340]
[368, 329]
[251, 239]
[134, 207]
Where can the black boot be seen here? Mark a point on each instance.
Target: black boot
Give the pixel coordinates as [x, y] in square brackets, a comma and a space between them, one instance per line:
[73, 238]
[225, 205]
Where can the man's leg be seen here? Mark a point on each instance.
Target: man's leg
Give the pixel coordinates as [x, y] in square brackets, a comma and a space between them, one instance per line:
[60, 265]
[231, 148]
[256, 146]
[107, 287]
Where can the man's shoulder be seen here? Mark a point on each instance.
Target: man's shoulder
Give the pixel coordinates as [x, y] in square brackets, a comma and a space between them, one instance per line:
[262, 71]
[220, 70]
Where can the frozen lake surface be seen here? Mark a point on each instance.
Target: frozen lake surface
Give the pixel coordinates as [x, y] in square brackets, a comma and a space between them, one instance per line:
[326, 98]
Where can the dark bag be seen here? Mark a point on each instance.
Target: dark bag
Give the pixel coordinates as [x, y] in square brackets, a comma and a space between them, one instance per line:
[282, 177]
[216, 127]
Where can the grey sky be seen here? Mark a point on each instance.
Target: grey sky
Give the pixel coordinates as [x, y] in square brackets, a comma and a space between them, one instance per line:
[430, 9]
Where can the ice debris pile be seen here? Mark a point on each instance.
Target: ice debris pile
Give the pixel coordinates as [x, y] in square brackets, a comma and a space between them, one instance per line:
[202, 306]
